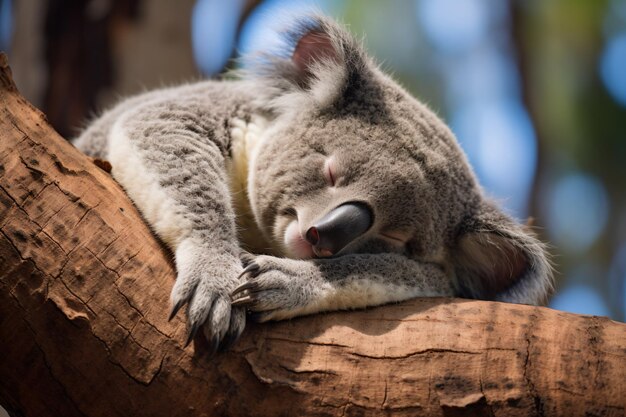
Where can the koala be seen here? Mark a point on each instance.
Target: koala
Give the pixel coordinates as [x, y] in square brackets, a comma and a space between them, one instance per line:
[314, 182]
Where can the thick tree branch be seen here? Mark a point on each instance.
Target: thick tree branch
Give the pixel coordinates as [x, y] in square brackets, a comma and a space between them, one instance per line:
[83, 305]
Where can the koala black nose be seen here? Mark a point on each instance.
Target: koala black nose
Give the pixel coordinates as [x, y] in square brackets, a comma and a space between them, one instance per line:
[339, 227]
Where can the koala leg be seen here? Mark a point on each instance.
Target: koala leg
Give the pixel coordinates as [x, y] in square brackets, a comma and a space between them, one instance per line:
[177, 178]
[278, 288]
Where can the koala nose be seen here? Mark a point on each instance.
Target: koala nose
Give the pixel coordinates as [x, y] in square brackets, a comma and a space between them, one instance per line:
[339, 227]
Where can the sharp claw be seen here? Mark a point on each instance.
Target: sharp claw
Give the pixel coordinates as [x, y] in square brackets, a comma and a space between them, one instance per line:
[192, 334]
[246, 258]
[227, 342]
[242, 287]
[252, 268]
[213, 345]
[243, 301]
[175, 309]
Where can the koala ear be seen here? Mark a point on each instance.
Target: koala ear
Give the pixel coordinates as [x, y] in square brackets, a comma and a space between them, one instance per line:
[315, 63]
[314, 50]
[497, 259]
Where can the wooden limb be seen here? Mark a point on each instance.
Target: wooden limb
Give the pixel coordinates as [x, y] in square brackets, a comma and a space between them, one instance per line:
[83, 323]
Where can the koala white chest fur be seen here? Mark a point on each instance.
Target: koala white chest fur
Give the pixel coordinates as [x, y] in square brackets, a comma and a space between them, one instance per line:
[313, 183]
[246, 138]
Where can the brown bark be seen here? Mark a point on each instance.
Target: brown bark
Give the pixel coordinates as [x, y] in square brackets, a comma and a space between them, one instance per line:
[84, 298]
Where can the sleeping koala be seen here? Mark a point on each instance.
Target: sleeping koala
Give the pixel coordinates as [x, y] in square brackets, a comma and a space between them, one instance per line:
[313, 183]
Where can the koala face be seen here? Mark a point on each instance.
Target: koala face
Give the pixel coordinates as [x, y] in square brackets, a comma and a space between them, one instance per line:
[367, 143]
[351, 163]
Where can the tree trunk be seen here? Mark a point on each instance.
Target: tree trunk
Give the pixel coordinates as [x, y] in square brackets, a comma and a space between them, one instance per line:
[83, 323]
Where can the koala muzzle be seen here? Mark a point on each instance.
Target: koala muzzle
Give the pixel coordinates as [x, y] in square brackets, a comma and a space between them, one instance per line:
[339, 227]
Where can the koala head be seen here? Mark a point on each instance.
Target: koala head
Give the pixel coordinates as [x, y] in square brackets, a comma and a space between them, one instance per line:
[351, 163]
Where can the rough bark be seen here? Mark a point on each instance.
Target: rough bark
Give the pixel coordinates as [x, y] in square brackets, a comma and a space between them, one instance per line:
[83, 323]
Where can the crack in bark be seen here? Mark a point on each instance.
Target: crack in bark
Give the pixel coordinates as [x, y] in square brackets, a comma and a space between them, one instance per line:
[10, 207]
[32, 220]
[109, 245]
[53, 215]
[131, 258]
[14, 121]
[578, 394]
[527, 364]
[101, 262]
[119, 324]
[62, 168]
[158, 371]
[53, 240]
[416, 353]
[83, 302]
[36, 196]
[383, 404]
[19, 253]
[306, 342]
[30, 168]
[18, 142]
[130, 333]
[89, 209]
[487, 403]
[18, 206]
[73, 197]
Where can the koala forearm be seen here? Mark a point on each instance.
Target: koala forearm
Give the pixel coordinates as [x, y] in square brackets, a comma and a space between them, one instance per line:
[362, 280]
[170, 155]
[279, 288]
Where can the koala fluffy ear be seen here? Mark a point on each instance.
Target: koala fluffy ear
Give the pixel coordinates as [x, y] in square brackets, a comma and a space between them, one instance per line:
[314, 49]
[497, 259]
[315, 64]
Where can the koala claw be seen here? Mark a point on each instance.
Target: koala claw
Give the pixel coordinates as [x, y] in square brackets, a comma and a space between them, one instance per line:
[175, 309]
[243, 301]
[192, 334]
[250, 272]
[248, 285]
[214, 345]
[252, 269]
[247, 258]
[274, 288]
[211, 309]
[235, 328]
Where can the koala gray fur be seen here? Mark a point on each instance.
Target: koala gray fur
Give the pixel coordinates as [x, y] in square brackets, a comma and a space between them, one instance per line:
[234, 176]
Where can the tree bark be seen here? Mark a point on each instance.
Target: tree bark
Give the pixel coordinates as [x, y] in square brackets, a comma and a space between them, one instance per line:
[83, 323]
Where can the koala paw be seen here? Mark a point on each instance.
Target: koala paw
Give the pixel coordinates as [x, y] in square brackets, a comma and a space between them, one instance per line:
[275, 288]
[209, 305]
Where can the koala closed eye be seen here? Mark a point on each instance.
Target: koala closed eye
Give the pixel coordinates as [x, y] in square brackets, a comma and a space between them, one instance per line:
[395, 237]
[330, 169]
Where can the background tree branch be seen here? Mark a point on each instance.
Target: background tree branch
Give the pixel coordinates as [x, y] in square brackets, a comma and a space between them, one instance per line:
[84, 291]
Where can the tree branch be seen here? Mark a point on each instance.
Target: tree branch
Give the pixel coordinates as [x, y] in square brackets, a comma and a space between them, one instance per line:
[84, 291]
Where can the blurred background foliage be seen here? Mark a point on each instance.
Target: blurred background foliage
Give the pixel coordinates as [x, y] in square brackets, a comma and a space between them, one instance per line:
[534, 90]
